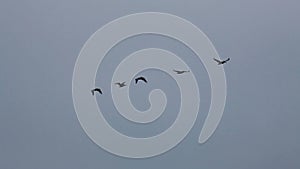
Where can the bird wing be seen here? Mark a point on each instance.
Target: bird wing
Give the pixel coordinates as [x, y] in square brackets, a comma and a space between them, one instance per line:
[96, 90]
[141, 78]
[217, 60]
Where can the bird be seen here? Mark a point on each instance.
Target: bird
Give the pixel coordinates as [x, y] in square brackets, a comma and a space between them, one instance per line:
[181, 71]
[96, 90]
[121, 84]
[140, 78]
[221, 62]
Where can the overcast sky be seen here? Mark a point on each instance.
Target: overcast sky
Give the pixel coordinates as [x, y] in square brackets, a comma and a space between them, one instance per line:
[40, 42]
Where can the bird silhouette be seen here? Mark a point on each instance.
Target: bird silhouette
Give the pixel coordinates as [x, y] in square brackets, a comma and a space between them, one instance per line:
[121, 84]
[181, 71]
[221, 62]
[96, 90]
[140, 78]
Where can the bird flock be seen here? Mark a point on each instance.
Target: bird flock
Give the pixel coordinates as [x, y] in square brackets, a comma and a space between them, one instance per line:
[143, 79]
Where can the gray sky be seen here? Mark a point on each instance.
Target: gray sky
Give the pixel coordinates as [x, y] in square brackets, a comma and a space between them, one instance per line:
[39, 44]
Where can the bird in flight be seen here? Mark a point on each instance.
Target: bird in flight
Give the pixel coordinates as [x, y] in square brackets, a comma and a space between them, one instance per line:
[221, 62]
[121, 84]
[181, 71]
[140, 78]
[96, 90]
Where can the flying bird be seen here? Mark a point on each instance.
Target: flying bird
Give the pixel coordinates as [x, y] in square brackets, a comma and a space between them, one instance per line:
[181, 71]
[121, 84]
[96, 90]
[221, 62]
[140, 78]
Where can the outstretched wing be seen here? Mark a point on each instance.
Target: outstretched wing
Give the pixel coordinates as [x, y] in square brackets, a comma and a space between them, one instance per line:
[144, 79]
[96, 90]
[99, 90]
[217, 60]
[140, 78]
[118, 84]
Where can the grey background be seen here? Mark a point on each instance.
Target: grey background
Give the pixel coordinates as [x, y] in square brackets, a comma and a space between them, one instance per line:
[139, 93]
[39, 44]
